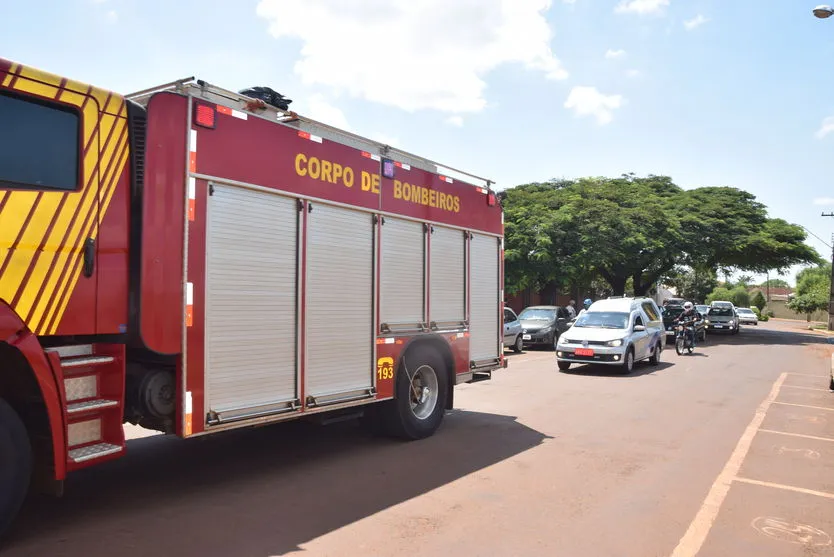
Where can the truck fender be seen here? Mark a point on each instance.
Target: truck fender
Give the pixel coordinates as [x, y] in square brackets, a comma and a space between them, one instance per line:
[15, 333]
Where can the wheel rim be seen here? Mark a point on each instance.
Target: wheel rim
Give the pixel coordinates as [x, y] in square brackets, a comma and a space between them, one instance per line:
[424, 392]
[519, 344]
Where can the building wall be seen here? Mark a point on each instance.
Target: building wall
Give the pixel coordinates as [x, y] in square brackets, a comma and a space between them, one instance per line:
[780, 310]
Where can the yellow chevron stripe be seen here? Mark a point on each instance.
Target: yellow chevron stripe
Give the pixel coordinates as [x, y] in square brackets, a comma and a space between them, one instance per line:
[83, 230]
[52, 280]
[10, 76]
[76, 271]
[75, 201]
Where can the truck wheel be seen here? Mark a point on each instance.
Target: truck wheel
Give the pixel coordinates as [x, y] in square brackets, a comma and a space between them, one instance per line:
[15, 465]
[421, 388]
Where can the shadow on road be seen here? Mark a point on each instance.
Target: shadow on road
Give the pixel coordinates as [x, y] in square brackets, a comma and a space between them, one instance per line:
[758, 335]
[255, 492]
[640, 369]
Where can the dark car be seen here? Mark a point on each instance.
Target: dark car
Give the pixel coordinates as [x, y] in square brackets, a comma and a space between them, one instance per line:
[542, 325]
[671, 312]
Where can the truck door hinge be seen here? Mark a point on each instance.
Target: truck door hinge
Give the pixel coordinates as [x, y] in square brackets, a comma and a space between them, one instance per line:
[211, 189]
[300, 204]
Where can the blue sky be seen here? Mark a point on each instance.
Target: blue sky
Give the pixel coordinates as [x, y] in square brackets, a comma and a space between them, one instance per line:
[710, 92]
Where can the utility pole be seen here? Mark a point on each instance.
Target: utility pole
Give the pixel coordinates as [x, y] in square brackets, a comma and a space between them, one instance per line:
[831, 291]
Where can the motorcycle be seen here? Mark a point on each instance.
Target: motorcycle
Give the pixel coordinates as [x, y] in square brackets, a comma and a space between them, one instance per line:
[684, 338]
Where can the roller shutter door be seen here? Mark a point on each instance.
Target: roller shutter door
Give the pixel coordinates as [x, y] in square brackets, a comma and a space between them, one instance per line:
[251, 294]
[339, 301]
[402, 272]
[484, 338]
[447, 275]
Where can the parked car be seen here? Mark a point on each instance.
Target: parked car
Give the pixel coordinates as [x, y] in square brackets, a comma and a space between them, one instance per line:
[670, 313]
[746, 316]
[542, 325]
[616, 332]
[722, 317]
[702, 309]
[512, 331]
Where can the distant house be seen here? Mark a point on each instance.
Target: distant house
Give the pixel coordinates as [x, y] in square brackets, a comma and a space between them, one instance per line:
[777, 294]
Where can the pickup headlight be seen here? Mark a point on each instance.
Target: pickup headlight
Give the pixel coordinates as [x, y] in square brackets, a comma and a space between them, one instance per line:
[706, 321]
[614, 343]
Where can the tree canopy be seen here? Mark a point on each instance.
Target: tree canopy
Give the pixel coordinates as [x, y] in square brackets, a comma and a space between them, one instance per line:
[813, 286]
[638, 229]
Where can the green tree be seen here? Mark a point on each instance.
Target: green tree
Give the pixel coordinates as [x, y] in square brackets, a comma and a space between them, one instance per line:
[692, 284]
[740, 297]
[632, 230]
[812, 290]
[758, 300]
[775, 283]
[719, 294]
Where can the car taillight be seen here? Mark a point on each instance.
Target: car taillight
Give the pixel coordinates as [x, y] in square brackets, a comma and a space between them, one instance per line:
[205, 115]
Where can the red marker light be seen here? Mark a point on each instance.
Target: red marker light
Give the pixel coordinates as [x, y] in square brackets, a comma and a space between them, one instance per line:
[204, 115]
[491, 199]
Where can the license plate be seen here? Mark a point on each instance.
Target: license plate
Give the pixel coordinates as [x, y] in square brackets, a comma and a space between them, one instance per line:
[668, 328]
[584, 352]
[719, 326]
[525, 337]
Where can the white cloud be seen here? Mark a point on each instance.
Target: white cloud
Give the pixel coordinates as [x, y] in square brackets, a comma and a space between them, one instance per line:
[612, 54]
[826, 127]
[440, 51]
[825, 201]
[641, 6]
[456, 121]
[319, 108]
[588, 101]
[112, 16]
[568, 1]
[696, 21]
[633, 73]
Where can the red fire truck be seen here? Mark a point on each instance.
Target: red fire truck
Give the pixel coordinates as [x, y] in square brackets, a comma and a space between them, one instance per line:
[192, 260]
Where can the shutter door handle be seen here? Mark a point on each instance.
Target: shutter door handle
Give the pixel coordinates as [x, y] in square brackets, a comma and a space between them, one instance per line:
[89, 257]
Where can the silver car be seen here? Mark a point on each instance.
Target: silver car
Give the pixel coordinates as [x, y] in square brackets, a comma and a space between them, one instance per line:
[722, 316]
[747, 316]
[615, 332]
[512, 331]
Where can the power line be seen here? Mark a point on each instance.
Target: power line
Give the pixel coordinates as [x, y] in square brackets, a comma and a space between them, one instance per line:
[817, 237]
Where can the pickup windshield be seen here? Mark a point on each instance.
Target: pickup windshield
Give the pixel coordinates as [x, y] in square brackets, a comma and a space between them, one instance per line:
[721, 312]
[603, 320]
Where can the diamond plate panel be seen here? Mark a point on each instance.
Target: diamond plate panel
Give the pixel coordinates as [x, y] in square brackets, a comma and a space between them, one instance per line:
[78, 388]
[80, 433]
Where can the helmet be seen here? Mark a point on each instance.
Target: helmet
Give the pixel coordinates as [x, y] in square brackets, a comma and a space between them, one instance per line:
[687, 305]
[587, 303]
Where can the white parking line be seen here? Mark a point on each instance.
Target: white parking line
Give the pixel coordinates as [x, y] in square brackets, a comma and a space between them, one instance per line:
[814, 437]
[807, 388]
[692, 541]
[787, 488]
[804, 406]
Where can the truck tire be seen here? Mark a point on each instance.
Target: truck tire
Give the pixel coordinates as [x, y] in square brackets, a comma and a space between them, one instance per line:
[419, 404]
[15, 465]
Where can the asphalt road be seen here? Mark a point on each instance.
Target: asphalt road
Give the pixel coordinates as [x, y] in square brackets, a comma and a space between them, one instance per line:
[727, 452]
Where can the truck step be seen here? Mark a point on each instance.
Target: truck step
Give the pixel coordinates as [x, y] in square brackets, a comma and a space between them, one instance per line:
[91, 452]
[87, 405]
[85, 361]
[480, 376]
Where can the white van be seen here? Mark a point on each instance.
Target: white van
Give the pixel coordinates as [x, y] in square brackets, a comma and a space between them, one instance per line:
[616, 332]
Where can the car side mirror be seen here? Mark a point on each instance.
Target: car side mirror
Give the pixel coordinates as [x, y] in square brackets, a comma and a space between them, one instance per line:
[639, 328]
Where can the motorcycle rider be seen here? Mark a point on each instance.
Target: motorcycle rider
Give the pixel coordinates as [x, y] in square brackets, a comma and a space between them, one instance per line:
[687, 318]
[585, 305]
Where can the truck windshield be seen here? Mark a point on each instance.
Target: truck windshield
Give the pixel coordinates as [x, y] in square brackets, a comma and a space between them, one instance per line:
[603, 320]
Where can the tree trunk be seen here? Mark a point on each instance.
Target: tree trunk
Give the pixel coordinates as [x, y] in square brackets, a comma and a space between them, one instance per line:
[618, 285]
